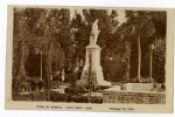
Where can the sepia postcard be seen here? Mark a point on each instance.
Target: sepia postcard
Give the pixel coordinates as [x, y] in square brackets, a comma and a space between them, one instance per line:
[89, 59]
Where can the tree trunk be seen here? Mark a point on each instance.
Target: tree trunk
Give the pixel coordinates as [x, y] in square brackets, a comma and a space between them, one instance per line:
[41, 65]
[128, 60]
[151, 64]
[49, 65]
[151, 59]
[22, 68]
[22, 72]
[128, 69]
[139, 57]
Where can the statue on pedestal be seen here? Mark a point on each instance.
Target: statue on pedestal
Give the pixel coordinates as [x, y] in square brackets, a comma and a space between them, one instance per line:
[94, 33]
[92, 74]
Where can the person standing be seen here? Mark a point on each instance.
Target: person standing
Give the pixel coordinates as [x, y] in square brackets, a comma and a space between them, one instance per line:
[62, 76]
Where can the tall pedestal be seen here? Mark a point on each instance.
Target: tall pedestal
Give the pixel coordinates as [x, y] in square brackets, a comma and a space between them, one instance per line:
[92, 72]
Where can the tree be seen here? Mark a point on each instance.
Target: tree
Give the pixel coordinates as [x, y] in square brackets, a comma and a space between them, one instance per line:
[44, 29]
[146, 25]
[54, 24]
[20, 32]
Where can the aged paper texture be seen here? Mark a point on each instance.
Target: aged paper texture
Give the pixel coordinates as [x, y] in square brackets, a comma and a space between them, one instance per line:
[90, 59]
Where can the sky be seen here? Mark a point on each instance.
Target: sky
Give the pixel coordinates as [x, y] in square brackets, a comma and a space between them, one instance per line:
[73, 13]
[121, 15]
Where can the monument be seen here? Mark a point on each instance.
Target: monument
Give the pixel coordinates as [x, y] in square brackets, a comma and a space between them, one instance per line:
[92, 73]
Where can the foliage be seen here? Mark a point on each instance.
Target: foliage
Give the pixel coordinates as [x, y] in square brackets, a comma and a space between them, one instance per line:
[63, 40]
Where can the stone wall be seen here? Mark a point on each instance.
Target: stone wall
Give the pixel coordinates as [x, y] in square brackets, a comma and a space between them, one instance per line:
[133, 97]
[138, 86]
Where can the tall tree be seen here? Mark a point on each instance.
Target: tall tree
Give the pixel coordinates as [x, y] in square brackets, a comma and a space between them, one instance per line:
[20, 31]
[145, 27]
